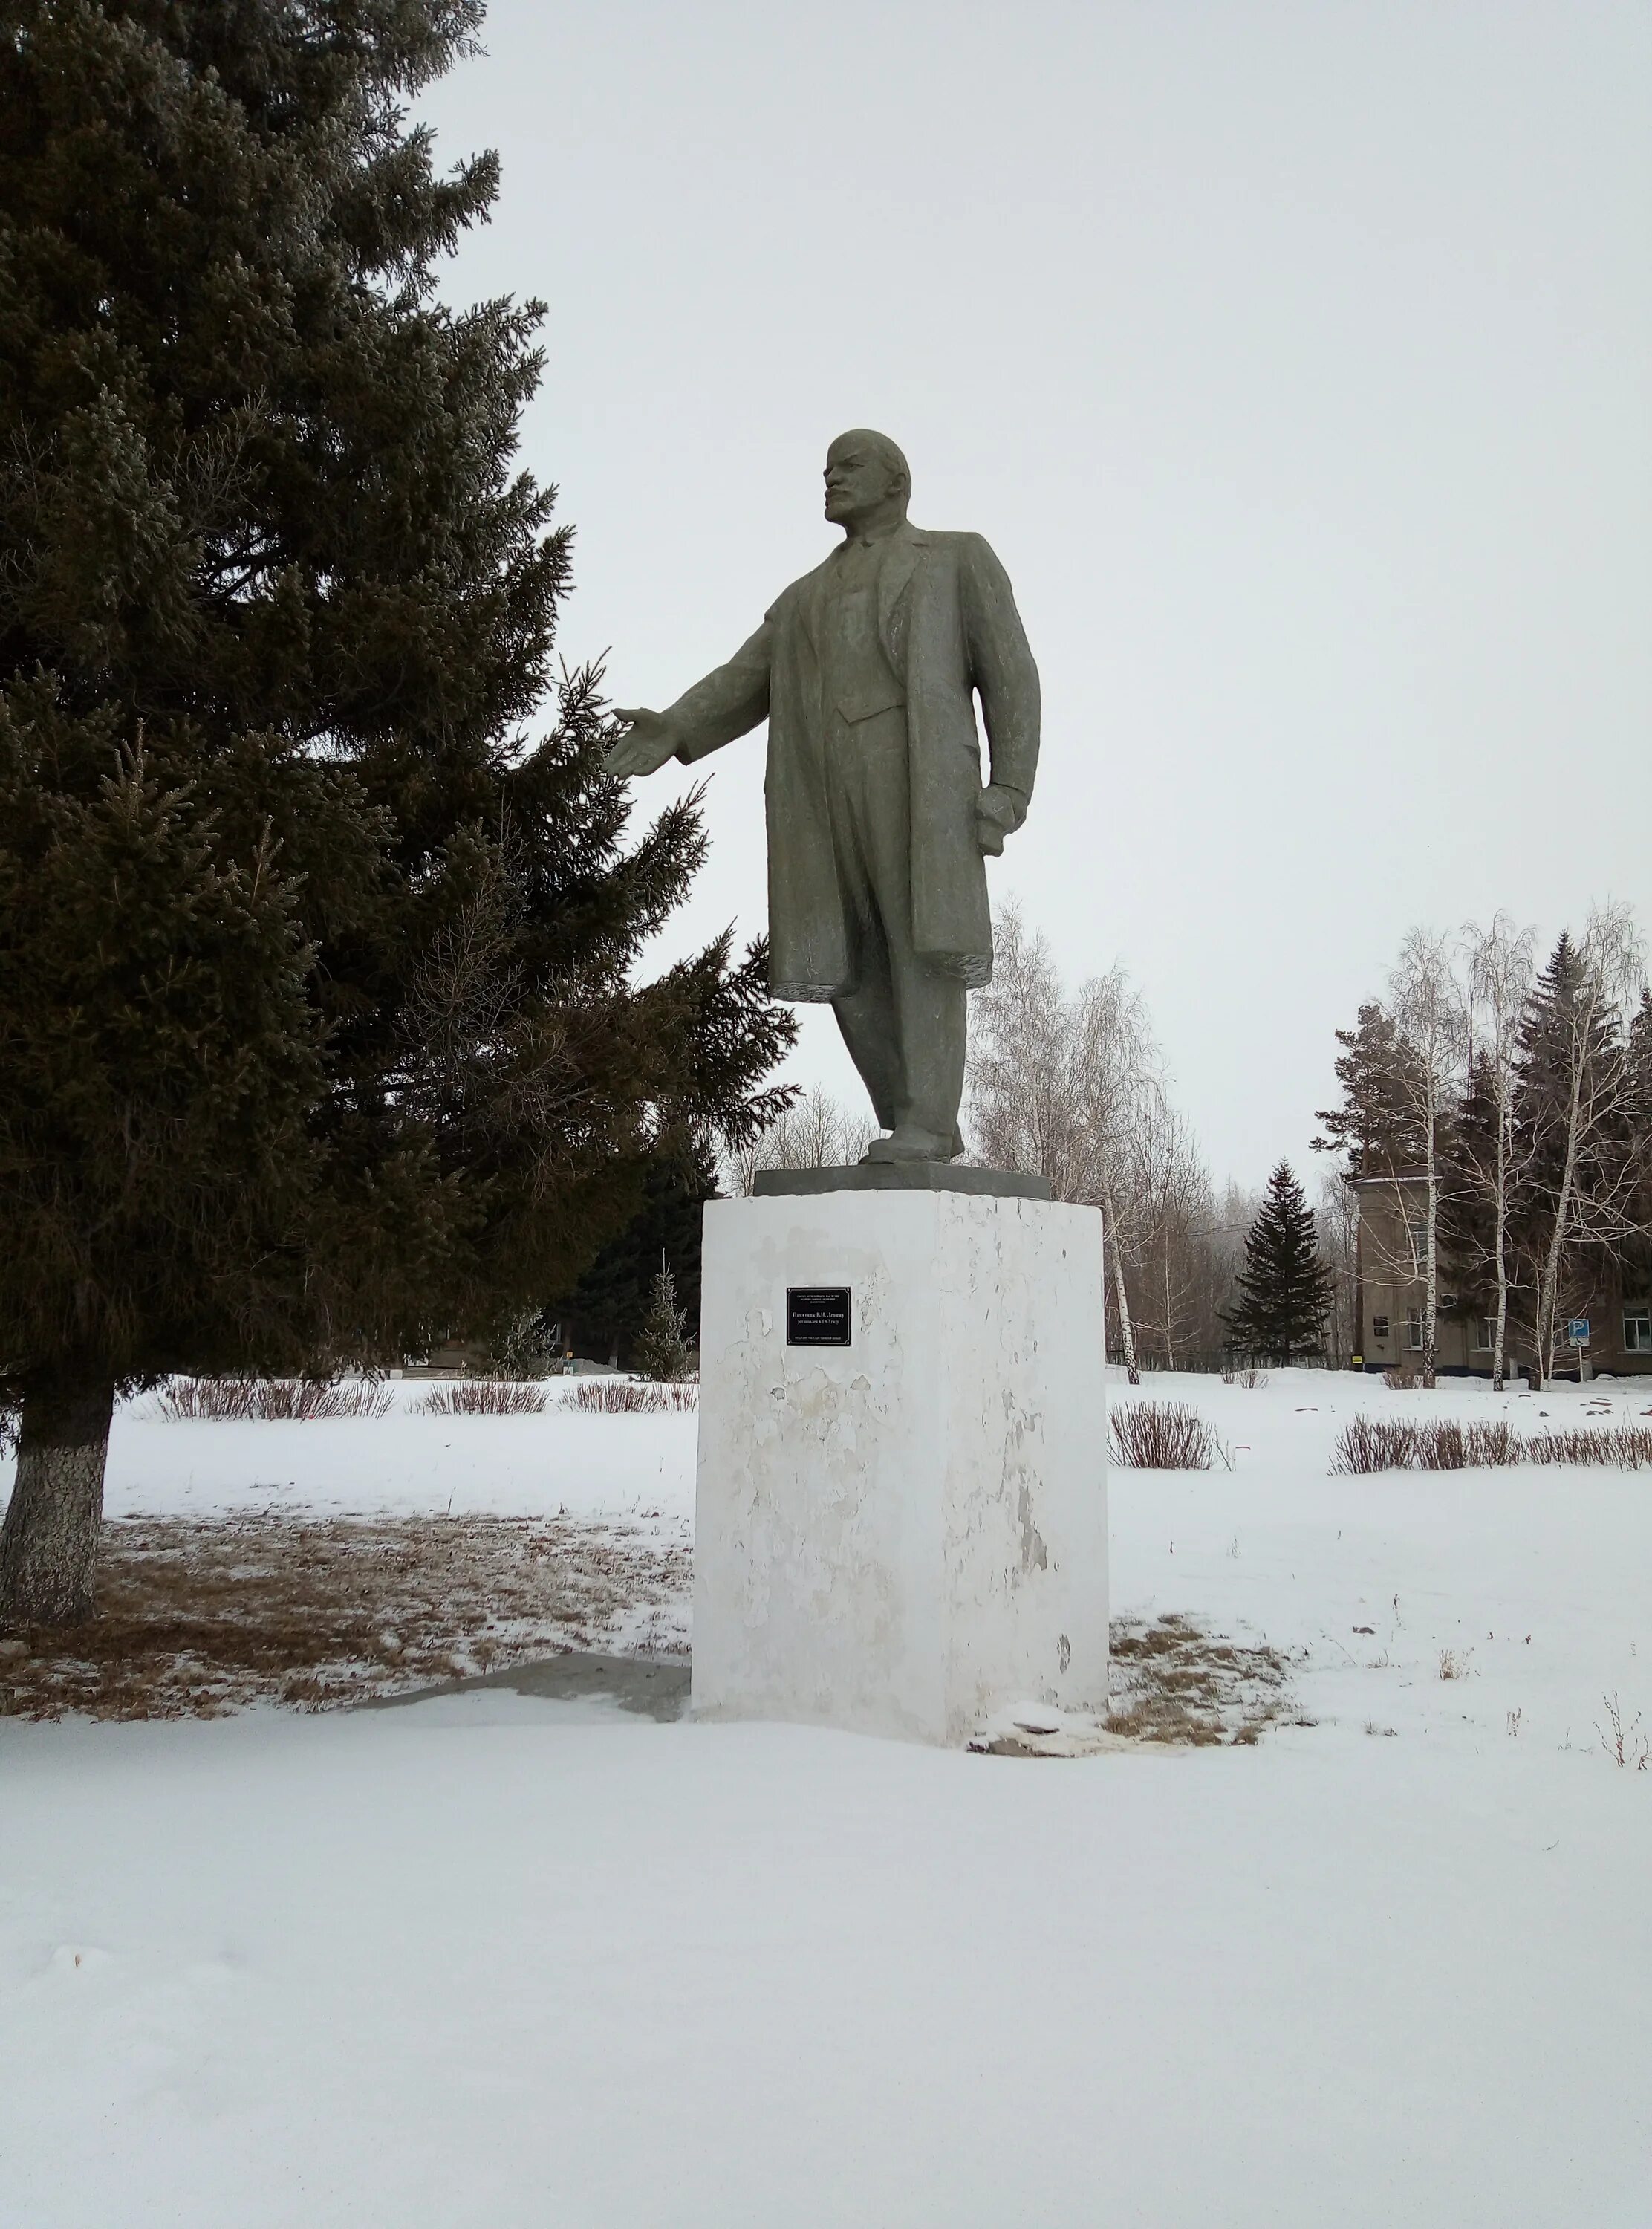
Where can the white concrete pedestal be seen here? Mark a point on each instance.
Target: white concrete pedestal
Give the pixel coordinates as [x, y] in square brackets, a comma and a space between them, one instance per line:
[908, 1533]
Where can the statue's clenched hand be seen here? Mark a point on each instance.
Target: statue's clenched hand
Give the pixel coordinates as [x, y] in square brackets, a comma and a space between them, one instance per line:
[648, 742]
[999, 812]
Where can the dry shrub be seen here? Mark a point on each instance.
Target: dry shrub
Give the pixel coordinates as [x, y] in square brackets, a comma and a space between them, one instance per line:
[1447, 1445]
[625, 1396]
[1374, 1444]
[1455, 1663]
[1400, 1381]
[270, 1400]
[1620, 1447]
[1252, 1378]
[1371, 1443]
[484, 1397]
[1165, 1436]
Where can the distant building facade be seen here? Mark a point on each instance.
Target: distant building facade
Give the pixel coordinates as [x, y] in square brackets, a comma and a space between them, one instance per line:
[1392, 1226]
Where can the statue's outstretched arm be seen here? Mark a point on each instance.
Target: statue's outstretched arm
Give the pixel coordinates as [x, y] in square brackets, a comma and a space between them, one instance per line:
[726, 703]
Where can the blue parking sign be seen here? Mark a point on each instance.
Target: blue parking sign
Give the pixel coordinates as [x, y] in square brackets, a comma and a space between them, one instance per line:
[1577, 1332]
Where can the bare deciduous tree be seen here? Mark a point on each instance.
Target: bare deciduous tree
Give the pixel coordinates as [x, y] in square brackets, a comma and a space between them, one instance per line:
[1577, 1088]
[1430, 1014]
[1062, 1087]
[815, 1132]
[1499, 962]
[1337, 1215]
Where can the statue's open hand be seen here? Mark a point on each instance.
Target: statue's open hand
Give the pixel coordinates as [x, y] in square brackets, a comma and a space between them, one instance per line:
[998, 813]
[648, 742]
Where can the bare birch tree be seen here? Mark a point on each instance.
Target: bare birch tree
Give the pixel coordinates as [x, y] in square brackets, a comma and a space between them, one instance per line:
[1430, 1017]
[1338, 1218]
[815, 1132]
[1022, 1088]
[1577, 1085]
[1061, 1086]
[1500, 961]
[1119, 1090]
[1175, 1209]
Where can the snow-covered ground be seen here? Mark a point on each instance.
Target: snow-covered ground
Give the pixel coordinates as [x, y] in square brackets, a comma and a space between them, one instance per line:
[492, 1959]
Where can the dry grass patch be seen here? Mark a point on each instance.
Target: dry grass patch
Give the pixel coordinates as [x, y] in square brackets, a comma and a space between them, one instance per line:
[197, 1618]
[1174, 1681]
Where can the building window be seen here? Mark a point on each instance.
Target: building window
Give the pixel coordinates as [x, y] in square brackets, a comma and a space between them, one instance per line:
[1637, 1330]
[1414, 1330]
[1417, 1229]
[1378, 1329]
[1485, 1332]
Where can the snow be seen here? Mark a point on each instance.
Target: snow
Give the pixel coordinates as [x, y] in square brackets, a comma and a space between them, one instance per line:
[490, 1958]
[405, 1463]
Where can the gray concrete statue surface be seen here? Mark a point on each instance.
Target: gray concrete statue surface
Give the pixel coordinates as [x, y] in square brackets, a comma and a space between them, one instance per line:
[866, 671]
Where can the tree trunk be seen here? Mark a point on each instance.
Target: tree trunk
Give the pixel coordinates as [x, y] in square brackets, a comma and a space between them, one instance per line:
[1110, 1238]
[1499, 1370]
[48, 1544]
[1431, 1260]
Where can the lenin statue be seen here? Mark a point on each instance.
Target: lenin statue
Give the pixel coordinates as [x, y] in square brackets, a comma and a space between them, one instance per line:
[866, 671]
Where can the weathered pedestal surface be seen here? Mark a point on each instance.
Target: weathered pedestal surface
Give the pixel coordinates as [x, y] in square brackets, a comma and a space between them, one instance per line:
[907, 1533]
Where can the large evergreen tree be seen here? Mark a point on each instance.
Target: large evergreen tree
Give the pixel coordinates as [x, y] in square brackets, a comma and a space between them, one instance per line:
[1283, 1287]
[317, 1034]
[1374, 1128]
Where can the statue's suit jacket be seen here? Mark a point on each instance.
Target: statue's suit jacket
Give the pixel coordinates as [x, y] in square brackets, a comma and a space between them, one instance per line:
[948, 626]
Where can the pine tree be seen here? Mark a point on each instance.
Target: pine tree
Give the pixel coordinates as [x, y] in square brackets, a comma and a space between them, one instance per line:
[1283, 1287]
[318, 1039]
[662, 1348]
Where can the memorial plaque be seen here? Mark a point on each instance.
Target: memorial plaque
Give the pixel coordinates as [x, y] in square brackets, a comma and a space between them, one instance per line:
[817, 1315]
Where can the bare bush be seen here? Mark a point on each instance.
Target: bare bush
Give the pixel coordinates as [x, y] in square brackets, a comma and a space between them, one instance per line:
[1400, 1381]
[1166, 1436]
[625, 1396]
[270, 1400]
[1371, 1444]
[1374, 1444]
[1626, 1746]
[484, 1397]
[1448, 1445]
[1455, 1663]
[1620, 1447]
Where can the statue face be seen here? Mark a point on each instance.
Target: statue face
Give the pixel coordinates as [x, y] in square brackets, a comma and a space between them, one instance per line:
[858, 480]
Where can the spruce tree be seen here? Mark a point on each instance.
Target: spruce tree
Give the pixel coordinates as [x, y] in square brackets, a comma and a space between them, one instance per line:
[319, 1036]
[1284, 1289]
[662, 1349]
[1375, 1126]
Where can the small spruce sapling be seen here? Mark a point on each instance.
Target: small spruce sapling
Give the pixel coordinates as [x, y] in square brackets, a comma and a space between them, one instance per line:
[663, 1350]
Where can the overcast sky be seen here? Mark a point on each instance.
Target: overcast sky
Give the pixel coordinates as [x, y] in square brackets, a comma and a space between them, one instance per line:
[1297, 360]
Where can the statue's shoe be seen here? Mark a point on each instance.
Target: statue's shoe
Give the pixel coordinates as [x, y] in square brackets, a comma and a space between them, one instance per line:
[908, 1143]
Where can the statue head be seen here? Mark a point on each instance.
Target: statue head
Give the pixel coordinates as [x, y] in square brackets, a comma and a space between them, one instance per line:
[868, 482]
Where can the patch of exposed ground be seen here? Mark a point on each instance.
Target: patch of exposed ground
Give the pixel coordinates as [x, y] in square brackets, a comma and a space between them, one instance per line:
[1174, 1680]
[198, 1618]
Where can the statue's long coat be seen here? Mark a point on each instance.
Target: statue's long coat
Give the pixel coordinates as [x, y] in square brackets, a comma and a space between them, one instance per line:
[950, 626]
